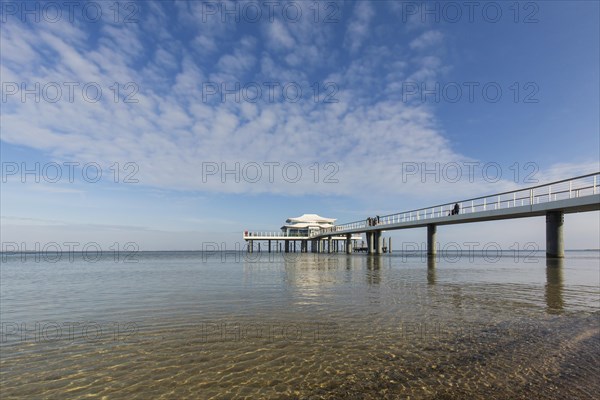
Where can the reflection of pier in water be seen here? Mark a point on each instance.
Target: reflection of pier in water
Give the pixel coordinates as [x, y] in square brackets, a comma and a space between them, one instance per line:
[304, 270]
[431, 270]
[553, 288]
[312, 270]
[374, 270]
[554, 285]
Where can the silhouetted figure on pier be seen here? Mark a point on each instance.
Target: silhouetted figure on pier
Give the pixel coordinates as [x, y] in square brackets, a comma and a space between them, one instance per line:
[456, 209]
[377, 220]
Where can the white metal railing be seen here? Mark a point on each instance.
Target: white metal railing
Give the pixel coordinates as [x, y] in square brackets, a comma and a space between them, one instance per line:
[272, 234]
[565, 189]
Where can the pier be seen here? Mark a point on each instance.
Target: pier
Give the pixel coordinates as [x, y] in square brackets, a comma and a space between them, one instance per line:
[281, 242]
[553, 200]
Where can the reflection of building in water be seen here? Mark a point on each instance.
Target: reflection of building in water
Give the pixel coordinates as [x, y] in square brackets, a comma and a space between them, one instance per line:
[300, 270]
[554, 285]
[312, 272]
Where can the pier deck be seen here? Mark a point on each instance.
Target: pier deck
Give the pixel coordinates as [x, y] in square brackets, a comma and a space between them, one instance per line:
[553, 200]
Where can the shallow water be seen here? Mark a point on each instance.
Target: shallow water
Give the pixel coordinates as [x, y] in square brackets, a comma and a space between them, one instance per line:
[187, 324]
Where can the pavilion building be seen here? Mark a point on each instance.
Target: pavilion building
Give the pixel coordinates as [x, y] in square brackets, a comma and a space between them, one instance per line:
[299, 231]
[306, 224]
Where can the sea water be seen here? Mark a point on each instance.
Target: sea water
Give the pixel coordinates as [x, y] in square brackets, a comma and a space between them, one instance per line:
[283, 326]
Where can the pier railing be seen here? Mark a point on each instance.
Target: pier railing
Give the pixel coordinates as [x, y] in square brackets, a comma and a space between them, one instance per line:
[565, 189]
[273, 234]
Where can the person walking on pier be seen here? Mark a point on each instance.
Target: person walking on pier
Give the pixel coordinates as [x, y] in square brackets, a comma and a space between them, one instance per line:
[456, 209]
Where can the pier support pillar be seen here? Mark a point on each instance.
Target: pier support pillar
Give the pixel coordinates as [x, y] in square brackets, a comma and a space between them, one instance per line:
[379, 242]
[431, 237]
[348, 243]
[287, 246]
[555, 246]
[375, 242]
[269, 246]
[250, 246]
[390, 245]
[370, 242]
[329, 244]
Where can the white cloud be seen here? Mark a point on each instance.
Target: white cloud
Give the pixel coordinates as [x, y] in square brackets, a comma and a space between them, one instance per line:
[279, 36]
[171, 130]
[426, 40]
[204, 44]
[358, 29]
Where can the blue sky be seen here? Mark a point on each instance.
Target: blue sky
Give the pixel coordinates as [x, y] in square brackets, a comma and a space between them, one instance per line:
[173, 131]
